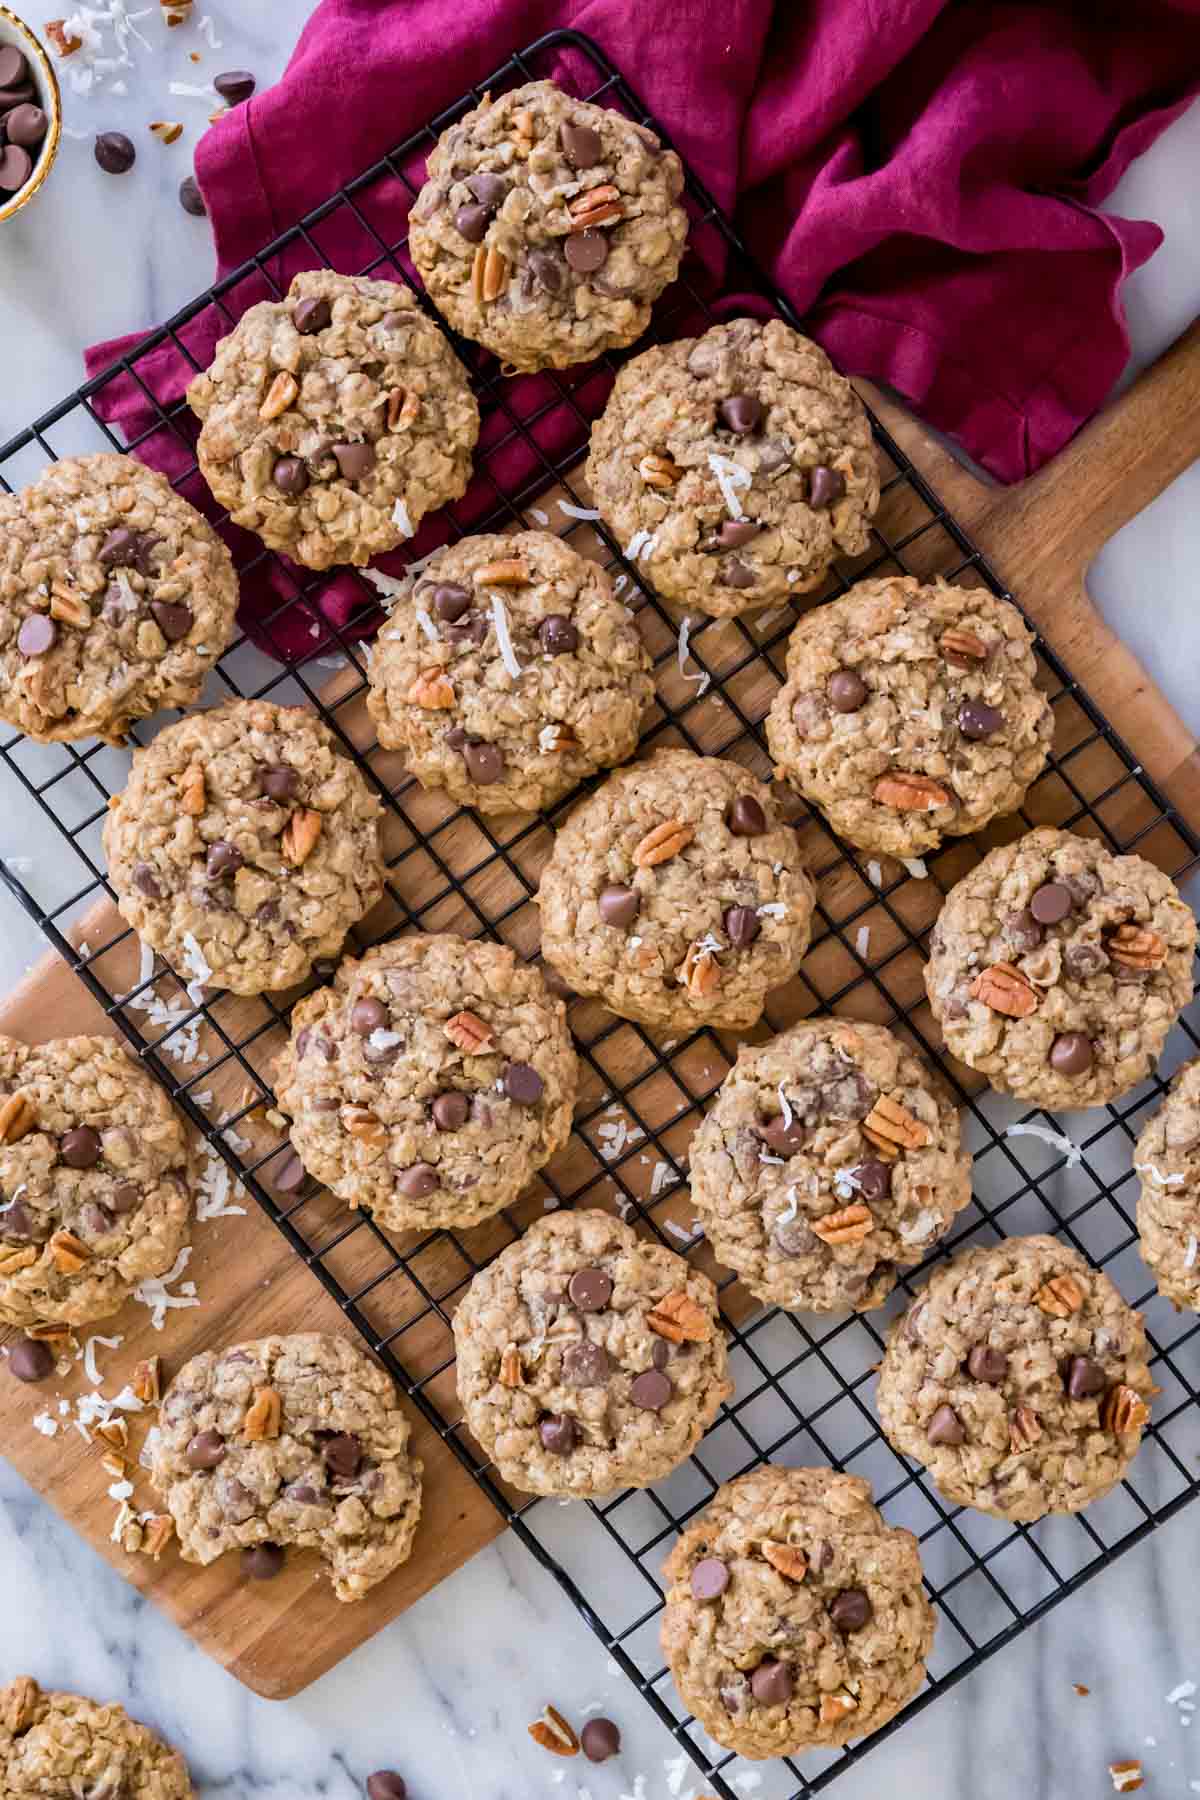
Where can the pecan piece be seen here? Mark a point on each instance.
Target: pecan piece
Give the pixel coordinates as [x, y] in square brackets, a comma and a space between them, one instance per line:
[1005, 990]
[836, 1707]
[787, 1559]
[556, 737]
[962, 649]
[680, 1319]
[508, 571]
[1060, 1297]
[663, 842]
[469, 1032]
[699, 972]
[279, 396]
[431, 690]
[298, 839]
[910, 793]
[264, 1415]
[17, 1117]
[552, 1732]
[18, 1704]
[11, 1261]
[1136, 947]
[849, 1225]
[113, 1465]
[511, 1373]
[1123, 1409]
[114, 1432]
[659, 471]
[489, 272]
[362, 1124]
[599, 206]
[69, 1252]
[892, 1128]
[156, 1535]
[192, 796]
[64, 43]
[69, 607]
[1024, 1428]
[402, 409]
[147, 1381]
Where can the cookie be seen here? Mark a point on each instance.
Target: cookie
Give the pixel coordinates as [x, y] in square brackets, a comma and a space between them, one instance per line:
[1057, 969]
[588, 1360]
[547, 227]
[116, 599]
[676, 895]
[795, 1617]
[735, 467]
[910, 713]
[1019, 1377]
[53, 1744]
[334, 420]
[430, 1082]
[295, 1442]
[245, 845]
[508, 672]
[830, 1159]
[95, 1180]
[1167, 1159]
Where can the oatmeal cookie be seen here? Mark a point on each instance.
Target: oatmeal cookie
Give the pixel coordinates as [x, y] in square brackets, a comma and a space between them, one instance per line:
[95, 1179]
[588, 1360]
[1019, 1377]
[1057, 969]
[675, 894]
[735, 466]
[116, 599]
[294, 1441]
[795, 1617]
[1167, 1159]
[430, 1082]
[910, 713]
[547, 227]
[334, 420]
[443, 687]
[244, 845]
[830, 1159]
[52, 1744]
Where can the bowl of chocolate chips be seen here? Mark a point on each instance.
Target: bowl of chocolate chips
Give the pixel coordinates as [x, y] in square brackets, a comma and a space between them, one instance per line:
[30, 114]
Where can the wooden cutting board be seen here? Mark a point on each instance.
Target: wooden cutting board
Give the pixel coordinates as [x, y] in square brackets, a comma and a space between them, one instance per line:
[277, 1637]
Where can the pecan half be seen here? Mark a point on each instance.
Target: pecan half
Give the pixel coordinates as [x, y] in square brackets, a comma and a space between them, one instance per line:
[69, 607]
[552, 1732]
[147, 1381]
[69, 1252]
[363, 1125]
[192, 795]
[508, 571]
[680, 1319]
[659, 471]
[489, 272]
[1060, 1297]
[910, 793]
[17, 1117]
[849, 1225]
[157, 1534]
[892, 1128]
[1136, 947]
[469, 1032]
[663, 842]
[264, 1415]
[787, 1559]
[298, 839]
[18, 1704]
[1123, 1409]
[599, 206]
[1005, 990]
[699, 972]
[1024, 1428]
[511, 1373]
[279, 396]
[835, 1707]
[962, 649]
[431, 690]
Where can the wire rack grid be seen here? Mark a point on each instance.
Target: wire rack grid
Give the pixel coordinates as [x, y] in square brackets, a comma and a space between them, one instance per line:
[803, 1384]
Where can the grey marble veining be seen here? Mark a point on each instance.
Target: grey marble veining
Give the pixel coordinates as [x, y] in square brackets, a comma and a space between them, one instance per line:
[445, 1693]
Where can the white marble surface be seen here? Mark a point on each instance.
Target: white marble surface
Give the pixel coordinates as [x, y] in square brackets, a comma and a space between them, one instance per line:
[445, 1693]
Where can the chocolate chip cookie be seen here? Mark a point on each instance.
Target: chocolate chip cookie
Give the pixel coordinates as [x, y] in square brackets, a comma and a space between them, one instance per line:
[245, 845]
[335, 419]
[116, 598]
[676, 895]
[1167, 1159]
[52, 1744]
[430, 1082]
[795, 1616]
[910, 713]
[830, 1158]
[1057, 969]
[734, 467]
[588, 1360]
[547, 227]
[508, 672]
[289, 1442]
[95, 1180]
[1019, 1377]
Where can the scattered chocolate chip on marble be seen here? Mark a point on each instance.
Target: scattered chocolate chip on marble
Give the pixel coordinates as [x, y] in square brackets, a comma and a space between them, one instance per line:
[115, 152]
[191, 199]
[235, 85]
[30, 1360]
[385, 1784]
[599, 1740]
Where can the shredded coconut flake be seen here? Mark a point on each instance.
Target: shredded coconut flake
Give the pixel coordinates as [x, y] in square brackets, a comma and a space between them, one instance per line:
[785, 1108]
[1055, 1139]
[701, 675]
[208, 32]
[1189, 1260]
[539, 515]
[153, 1291]
[577, 512]
[188, 90]
[120, 1490]
[1184, 1691]
[400, 517]
[508, 655]
[1158, 1178]
[921, 1228]
[730, 477]
[916, 867]
[662, 1177]
[641, 545]
[385, 1040]
[773, 909]
[426, 623]
[89, 1356]
[45, 1424]
[388, 587]
[199, 968]
[862, 940]
[875, 874]
[678, 1231]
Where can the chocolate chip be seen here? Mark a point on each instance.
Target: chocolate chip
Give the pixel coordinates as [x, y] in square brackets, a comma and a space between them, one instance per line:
[124, 1198]
[736, 532]
[557, 1432]
[37, 635]
[557, 634]
[547, 270]
[581, 146]
[618, 906]
[782, 1138]
[343, 1455]
[986, 1364]
[523, 1084]
[26, 125]
[302, 1493]
[794, 1238]
[741, 925]
[385, 1784]
[745, 817]
[290, 1176]
[13, 66]
[450, 601]
[206, 1450]
[354, 460]
[262, 1563]
[1072, 1053]
[850, 1610]
[1085, 1377]
[115, 152]
[874, 1180]
[80, 1149]
[651, 1390]
[222, 859]
[976, 719]
[417, 1181]
[450, 1111]
[1051, 903]
[586, 251]
[487, 188]
[368, 1015]
[847, 691]
[30, 1360]
[825, 486]
[144, 881]
[471, 630]
[772, 1683]
[16, 1223]
[278, 782]
[471, 222]
[311, 315]
[1023, 931]
[290, 476]
[710, 1578]
[191, 199]
[585, 1365]
[599, 1740]
[945, 1427]
[740, 413]
[234, 86]
[660, 1356]
[737, 574]
[485, 763]
[590, 1289]
[95, 1221]
[173, 619]
[1084, 960]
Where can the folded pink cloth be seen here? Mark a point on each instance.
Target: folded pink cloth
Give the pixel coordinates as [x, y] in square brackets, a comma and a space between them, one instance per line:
[921, 177]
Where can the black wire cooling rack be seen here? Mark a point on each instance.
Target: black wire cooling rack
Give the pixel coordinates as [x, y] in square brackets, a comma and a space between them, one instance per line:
[804, 1383]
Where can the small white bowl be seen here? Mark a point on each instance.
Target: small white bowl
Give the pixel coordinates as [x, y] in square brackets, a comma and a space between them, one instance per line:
[15, 31]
